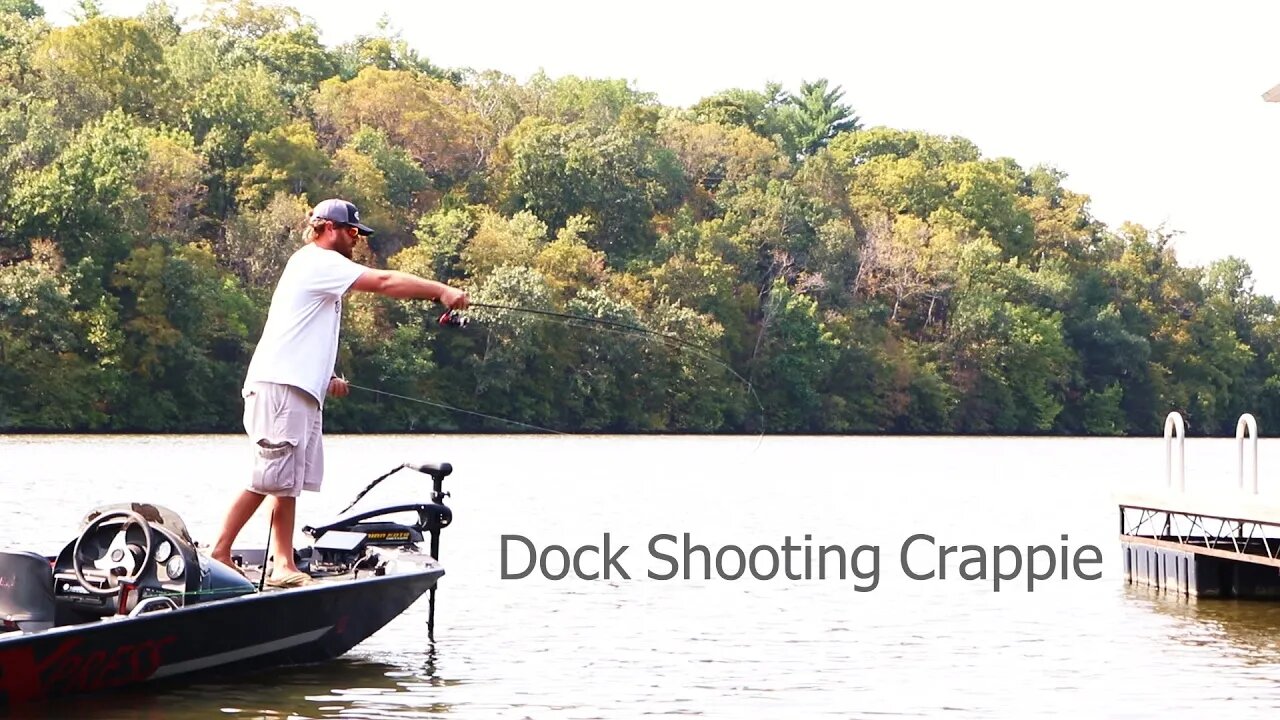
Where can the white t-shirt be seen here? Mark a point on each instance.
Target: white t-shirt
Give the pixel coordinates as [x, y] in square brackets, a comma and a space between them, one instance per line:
[299, 344]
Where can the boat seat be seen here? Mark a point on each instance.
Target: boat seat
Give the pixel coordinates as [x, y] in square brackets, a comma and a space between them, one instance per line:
[26, 592]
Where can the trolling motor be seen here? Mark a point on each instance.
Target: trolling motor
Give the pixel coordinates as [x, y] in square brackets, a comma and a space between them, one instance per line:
[343, 546]
[375, 532]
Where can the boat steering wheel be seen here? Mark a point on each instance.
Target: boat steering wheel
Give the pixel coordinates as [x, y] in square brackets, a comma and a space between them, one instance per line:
[120, 563]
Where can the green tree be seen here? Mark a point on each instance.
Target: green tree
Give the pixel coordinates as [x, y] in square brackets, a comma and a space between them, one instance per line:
[387, 185]
[26, 9]
[814, 117]
[222, 114]
[186, 339]
[759, 111]
[1010, 358]
[161, 21]
[795, 356]
[172, 180]
[298, 57]
[88, 198]
[441, 236]
[101, 64]
[426, 117]
[258, 243]
[386, 50]
[249, 19]
[619, 179]
[503, 242]
[48, 374]
[595, 103]
[712, 155]
[287, 160]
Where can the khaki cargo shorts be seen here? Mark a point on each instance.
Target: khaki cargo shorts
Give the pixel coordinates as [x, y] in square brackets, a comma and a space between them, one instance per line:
[284, 424]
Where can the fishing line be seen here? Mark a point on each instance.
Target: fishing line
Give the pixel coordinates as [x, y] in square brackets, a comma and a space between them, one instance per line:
[449, 318]
[599, 321]
[455, 409]
[620, 328]
[695, 349]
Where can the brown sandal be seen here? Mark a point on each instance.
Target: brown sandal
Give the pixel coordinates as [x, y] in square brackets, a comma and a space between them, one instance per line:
[290, 580]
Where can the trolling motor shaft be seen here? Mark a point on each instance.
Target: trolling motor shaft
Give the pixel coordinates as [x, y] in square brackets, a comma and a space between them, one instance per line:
[438, 474]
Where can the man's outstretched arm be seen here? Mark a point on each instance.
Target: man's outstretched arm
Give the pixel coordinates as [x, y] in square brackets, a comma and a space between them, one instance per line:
[402, 285]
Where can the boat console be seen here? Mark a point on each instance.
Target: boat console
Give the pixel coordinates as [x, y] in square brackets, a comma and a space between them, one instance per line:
[127, 554]
[127, 559]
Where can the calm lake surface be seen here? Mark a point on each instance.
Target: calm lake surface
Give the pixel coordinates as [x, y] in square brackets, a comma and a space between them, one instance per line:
[713, 647]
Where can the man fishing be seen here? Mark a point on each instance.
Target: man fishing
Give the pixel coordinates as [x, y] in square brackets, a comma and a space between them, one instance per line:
[292, 370]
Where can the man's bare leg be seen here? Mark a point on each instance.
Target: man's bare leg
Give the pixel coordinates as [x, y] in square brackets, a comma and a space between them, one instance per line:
[282, 520]
[245, 504]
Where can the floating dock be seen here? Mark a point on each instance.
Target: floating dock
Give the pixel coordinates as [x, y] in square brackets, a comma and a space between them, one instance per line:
[1224, 545]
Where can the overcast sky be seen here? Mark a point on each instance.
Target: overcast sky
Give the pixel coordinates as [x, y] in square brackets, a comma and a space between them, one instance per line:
[1153, 109]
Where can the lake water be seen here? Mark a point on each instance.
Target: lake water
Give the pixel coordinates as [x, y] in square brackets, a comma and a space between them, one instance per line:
[879, 645]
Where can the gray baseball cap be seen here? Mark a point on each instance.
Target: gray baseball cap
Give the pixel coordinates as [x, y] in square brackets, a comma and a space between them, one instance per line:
[340, 211]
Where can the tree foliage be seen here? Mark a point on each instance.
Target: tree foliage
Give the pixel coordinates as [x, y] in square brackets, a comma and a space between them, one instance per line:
[797, 271]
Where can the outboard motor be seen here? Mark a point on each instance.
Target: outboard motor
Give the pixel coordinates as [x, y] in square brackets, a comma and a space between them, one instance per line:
[26, 592]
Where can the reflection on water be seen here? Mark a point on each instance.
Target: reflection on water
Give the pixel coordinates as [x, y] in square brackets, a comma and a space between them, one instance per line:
[1245, 630]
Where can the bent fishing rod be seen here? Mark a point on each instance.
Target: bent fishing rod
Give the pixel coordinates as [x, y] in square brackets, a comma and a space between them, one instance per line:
[453, 318]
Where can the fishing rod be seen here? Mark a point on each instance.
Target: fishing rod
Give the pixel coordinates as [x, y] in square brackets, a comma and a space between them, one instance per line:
[452, 318]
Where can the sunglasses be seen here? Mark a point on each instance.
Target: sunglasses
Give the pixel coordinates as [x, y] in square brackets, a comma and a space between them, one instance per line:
[350, 229]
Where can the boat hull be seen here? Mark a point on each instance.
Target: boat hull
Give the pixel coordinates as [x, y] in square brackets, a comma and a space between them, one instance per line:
[286, 627]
